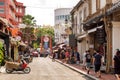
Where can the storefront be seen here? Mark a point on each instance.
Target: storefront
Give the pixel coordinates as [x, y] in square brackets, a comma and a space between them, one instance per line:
[5, 39]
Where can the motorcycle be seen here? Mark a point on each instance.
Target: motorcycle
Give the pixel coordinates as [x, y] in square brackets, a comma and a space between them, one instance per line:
[14, 66]
[28, 58]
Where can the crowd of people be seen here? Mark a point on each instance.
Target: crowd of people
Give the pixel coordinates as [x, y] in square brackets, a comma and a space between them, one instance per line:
[70, 56]
[88, 60]
[66, 55]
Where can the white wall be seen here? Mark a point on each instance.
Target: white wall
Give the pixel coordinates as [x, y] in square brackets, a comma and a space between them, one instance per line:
[60, 23]
[116, 36]
[102, 3]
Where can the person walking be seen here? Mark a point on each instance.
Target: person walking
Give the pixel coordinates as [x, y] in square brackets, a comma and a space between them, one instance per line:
[84, 60]
[88, 61]
[97, 61]
[77, 57]
[117, 64]
[53, 55]
[67, 56]
[62, 53]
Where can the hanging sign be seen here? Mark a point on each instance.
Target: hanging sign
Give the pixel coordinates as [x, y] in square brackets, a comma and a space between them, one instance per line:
[46, 39]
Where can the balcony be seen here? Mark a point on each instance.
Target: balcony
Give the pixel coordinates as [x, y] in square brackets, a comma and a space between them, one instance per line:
[19, 14]
[12, 5]
[13, 21]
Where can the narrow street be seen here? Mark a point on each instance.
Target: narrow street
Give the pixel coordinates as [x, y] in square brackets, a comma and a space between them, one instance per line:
[44, 69]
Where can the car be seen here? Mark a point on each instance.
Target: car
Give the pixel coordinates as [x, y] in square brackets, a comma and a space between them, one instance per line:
[43, 53]
[35, 53]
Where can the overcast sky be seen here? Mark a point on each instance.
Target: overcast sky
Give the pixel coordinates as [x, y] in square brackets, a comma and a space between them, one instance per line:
[43, 10]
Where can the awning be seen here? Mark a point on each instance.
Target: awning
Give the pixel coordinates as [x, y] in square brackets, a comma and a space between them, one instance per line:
[4, 21]
[94, 29]
[98, 17]
[91, 20]
[113, 8]
[82, 36]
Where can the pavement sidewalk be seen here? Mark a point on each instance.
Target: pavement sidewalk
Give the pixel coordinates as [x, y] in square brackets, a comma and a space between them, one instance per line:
[78, 68]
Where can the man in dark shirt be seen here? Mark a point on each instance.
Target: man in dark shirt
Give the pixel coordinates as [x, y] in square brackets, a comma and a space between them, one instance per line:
[88, 61]
[97, 61]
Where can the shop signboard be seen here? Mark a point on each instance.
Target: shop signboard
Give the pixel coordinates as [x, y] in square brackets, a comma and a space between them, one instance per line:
[100, 35]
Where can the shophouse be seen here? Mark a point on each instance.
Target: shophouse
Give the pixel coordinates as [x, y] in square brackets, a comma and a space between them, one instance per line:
[100, 28]
[95, 27]
[4, 35]
[12, 12]
[79, 13]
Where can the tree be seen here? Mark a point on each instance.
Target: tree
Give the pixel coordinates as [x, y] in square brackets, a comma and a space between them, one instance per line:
[28, 31]
[29, 20]
[45, 30]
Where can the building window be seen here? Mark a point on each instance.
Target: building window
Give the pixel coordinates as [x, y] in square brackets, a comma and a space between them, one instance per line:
[1, 10]
[80, 20]
[98, 4]
[102, 4]
[93, 6]
[1, 3]
[85, 12]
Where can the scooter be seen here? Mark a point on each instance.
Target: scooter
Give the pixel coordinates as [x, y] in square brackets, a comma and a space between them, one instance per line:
[10, 67]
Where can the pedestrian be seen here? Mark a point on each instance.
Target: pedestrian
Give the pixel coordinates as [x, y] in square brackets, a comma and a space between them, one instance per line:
[84, 61]
[67, 56]
[53, 55]
[77, 55]
[72, 56]
[97, 61]
[117, 64]
[88, 61]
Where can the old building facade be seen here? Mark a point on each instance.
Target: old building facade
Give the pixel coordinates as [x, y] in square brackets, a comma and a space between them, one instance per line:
[100, 28]
[79, 14]
[12, 10]
[11, 14]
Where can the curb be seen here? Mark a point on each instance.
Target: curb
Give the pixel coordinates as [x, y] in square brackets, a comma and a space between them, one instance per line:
[77, 70]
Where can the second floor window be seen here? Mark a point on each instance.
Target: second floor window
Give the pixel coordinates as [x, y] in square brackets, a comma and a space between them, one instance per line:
[1, 10]
[85, 12]
[1, 3]
[94, 6]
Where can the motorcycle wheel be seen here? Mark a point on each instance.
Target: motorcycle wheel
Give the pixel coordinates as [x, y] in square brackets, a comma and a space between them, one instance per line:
[8, 71]
[27, 70]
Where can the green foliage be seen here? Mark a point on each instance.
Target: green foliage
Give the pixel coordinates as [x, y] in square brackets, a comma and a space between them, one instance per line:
[1, 53]
[1, 46]
[45, 30]
[29, 20]
[28, 31]
[35, 45]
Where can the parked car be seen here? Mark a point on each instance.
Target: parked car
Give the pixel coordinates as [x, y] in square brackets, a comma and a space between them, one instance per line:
[35, 53]
[43, 53]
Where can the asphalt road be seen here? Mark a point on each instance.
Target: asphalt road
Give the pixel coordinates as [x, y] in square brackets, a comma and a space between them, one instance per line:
[44, 69]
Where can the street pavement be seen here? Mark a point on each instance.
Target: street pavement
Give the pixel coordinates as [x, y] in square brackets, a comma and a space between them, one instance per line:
[44, 69]
[78, 68]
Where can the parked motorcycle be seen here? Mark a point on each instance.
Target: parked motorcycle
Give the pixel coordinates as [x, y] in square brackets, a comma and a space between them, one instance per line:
[28, 58]
[14, 66]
